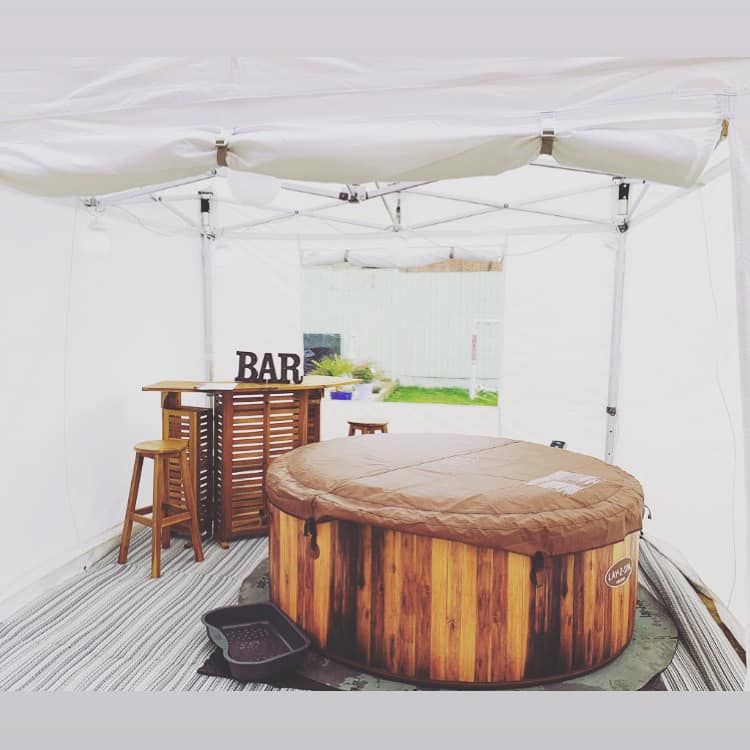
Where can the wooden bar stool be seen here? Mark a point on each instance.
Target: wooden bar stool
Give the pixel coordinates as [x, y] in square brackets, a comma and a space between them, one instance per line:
[369, 427]
[161, 519]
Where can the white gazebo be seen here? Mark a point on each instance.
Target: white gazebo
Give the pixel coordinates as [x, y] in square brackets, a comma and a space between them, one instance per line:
[159, 214]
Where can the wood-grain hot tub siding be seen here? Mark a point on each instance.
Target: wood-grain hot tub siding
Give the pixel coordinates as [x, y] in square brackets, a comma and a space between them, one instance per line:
[452, 559]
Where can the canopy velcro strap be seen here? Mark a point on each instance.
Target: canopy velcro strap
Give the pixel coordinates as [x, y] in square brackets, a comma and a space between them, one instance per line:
[222, 145]
[548, 133]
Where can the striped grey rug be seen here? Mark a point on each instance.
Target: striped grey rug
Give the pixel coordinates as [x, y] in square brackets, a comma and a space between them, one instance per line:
[113, 628]
[705, 659]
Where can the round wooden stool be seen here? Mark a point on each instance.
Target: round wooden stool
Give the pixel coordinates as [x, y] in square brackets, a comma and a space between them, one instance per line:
[161, 519]
[369, 427]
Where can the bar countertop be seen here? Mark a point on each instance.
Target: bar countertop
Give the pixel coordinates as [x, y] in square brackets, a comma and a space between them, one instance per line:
[309, 382]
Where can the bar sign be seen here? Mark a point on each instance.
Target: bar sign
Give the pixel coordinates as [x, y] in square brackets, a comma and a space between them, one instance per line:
[288, 370]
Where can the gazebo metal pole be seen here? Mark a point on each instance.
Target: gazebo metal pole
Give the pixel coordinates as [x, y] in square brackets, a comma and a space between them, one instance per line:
[501, 348]
[622, 193]
[145, 192]
[207, 237]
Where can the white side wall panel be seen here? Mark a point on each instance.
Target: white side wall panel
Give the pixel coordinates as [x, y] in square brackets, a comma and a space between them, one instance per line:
[84, 328]
[257, 301]
[680, 425]
[557, 332]
[34, 292]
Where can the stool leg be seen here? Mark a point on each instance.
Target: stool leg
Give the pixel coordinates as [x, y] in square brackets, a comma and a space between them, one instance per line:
[352, 430]
[166, 532]
[195, 533]
[384, 428]
[127, 527]
[156, 516]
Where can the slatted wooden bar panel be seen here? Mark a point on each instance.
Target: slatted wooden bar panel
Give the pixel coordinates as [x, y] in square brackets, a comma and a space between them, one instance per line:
[313, 415]
[252, 428]
[436, 611]
[194, 424]
[252, 424]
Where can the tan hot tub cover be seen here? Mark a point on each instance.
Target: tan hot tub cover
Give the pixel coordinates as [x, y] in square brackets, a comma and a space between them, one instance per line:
[490, 492]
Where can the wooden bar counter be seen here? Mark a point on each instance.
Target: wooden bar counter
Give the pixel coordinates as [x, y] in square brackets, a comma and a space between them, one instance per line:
[252, 424]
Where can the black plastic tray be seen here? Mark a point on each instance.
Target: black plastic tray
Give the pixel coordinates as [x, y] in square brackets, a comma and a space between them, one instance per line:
[257, 641]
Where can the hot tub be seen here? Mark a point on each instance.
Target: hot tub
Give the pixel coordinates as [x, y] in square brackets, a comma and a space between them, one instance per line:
[453, 559]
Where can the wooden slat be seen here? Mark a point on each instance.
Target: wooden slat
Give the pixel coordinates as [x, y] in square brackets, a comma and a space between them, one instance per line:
[565, 642]
[616, 598]
[467, 632]
[407, 605]
[485, 626]
[273, 555]
[322, 567]
[498, 640]
[377, 593]
[423, 616]
[290, 553]
[440, 628]
[517, 626]
[191, 423]
[256, 426]
[364, 594]
[306, 579]
[343, 614]
[392, 575]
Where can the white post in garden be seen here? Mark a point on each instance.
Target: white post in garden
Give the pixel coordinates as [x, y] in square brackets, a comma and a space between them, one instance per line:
[473, 374]
[473, 387]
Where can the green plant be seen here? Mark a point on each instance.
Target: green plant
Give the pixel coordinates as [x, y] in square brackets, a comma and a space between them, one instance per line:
[363, 373]
[333, 365]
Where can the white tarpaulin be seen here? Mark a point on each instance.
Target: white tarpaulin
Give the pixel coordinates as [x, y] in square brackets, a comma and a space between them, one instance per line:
[74, 127]
[740, 163]
[259, 307]
[556, 339]
[86, 322]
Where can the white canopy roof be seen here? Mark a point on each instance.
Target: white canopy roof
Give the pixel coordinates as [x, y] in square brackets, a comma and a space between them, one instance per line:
[92, 126]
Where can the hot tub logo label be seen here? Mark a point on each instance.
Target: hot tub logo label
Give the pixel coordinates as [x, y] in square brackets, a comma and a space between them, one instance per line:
[618, 573]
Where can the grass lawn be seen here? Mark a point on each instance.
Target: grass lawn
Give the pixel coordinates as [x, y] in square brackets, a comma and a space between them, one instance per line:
[414, 394]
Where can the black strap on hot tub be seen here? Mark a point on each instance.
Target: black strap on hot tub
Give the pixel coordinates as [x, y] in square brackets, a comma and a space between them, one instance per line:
[537, 565]
[310, 529]
[646, 514]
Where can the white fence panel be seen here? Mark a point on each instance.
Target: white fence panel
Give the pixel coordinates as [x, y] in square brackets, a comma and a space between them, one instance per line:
[416, 327]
